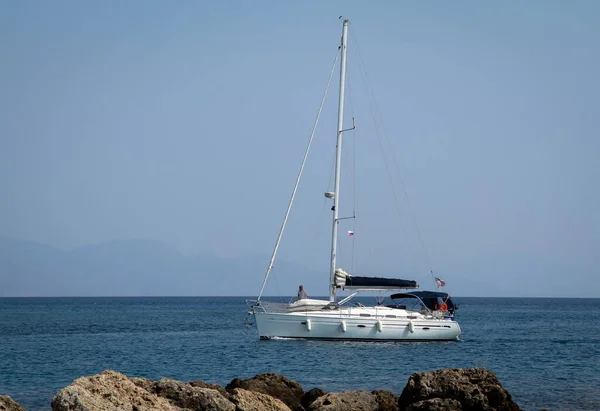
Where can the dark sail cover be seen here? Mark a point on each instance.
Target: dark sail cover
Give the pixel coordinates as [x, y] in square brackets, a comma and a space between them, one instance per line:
[379, 282]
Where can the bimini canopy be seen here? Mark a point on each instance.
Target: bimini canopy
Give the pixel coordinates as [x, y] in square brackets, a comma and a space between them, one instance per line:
[429, 298]
[351, 282]
[421, 294]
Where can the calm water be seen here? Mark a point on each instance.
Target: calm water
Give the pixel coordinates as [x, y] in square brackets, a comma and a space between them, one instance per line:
[546, 352]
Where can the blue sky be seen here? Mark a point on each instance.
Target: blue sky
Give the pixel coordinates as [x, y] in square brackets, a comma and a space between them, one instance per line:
[186, 122]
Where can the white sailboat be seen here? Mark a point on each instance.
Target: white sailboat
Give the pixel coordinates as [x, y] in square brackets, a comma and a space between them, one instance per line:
[414, 315]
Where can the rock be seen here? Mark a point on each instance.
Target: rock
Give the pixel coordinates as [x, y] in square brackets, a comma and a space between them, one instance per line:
[199, 396]
[114, 391]
[144, 383]
[255, 401]
[448, 389]
[387, 400]
[203, 384]
[309, 396]
[275, 385]
[108, 391]
[184, 395]
[8, 404]
[345, 401]
[436, 404]
[455, 389]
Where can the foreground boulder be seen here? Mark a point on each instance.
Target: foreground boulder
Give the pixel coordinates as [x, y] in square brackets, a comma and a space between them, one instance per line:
[448, 389]
[8, 404]
[309, 396]
[255, 401]
[114, 391]
[455, 389]
[387, 400]
[184, 395]
[346, 401]
[203, 384]
[275, 385]
[108, 391]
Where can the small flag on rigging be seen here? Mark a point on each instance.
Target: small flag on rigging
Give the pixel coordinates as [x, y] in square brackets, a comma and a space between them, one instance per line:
[440, 282]
[350, 233]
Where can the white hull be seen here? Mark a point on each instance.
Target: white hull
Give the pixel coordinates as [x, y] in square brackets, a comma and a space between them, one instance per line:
[343, 325]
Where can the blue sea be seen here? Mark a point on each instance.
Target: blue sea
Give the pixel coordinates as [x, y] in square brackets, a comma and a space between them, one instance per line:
[545, 351]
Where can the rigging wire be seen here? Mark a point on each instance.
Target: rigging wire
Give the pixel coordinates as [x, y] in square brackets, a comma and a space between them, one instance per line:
[287, 213]
[369, 88]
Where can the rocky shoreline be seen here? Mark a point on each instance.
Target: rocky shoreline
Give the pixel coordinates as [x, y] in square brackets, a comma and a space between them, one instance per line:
[445, 389]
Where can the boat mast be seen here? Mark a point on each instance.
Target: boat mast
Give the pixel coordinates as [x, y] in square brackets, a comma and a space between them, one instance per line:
[338, 160]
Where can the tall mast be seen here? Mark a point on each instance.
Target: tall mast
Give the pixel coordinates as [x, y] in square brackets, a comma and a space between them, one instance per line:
[338, 160]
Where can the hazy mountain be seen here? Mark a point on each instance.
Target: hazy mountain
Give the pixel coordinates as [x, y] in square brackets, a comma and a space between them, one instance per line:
[134, 268]
[152, 268]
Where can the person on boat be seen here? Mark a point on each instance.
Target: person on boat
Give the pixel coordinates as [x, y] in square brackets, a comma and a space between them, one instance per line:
[302, 293]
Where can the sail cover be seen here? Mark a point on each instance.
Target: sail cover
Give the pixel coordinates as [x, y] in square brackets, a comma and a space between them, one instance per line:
[378, 282]
[347, 281]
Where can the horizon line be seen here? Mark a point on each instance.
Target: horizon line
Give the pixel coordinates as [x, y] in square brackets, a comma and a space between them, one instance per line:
[254, 297]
